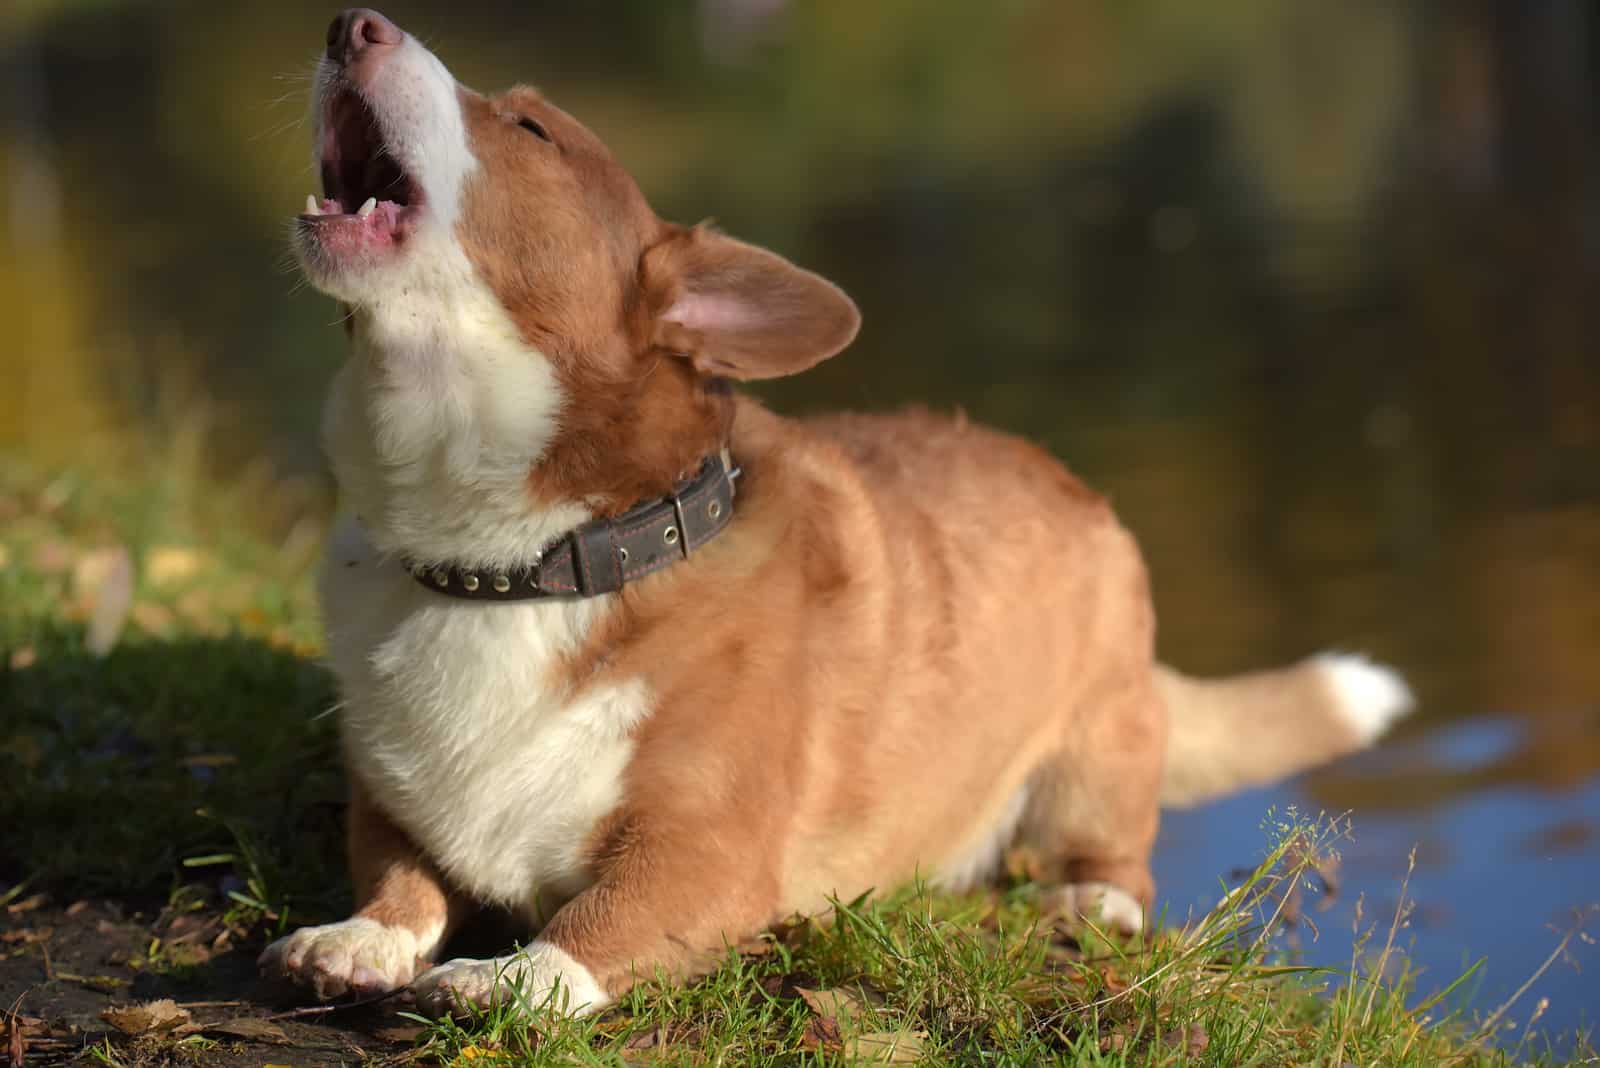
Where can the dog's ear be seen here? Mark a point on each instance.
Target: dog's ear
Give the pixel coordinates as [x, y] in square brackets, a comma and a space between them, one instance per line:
[738, 311]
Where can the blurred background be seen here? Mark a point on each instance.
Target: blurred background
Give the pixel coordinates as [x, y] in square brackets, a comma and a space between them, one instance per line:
[1307, 288]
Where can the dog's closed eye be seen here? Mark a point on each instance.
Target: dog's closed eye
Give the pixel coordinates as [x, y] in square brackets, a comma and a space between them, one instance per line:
[534, 127]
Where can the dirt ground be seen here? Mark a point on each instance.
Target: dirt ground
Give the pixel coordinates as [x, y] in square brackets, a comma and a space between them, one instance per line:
[63, 968]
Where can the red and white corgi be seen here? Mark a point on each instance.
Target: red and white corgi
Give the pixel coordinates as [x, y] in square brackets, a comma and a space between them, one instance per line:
[588, 676]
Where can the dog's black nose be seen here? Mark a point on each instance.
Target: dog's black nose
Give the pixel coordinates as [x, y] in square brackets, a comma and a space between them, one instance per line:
[357, 29]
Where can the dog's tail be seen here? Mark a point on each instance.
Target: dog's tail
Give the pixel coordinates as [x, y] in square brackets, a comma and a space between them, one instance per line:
[1226, 734]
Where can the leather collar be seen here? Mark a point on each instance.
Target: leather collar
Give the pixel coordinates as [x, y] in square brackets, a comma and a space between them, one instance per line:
[602, 555]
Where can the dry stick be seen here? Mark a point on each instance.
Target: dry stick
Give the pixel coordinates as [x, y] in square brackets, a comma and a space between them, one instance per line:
[1555, 955]
[323, 1010]
[1400, 916]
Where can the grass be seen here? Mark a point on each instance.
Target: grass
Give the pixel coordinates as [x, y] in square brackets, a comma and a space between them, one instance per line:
[166, 742]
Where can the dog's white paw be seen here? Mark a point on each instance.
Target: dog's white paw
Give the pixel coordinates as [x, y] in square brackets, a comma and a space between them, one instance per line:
[1100, 903]
[354, 956]
[527, 979]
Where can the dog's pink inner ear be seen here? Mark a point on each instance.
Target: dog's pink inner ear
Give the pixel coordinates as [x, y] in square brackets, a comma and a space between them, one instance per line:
[738, 311]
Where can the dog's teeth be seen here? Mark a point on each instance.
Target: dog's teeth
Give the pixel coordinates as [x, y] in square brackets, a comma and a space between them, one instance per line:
[368, 208]
[311, 205]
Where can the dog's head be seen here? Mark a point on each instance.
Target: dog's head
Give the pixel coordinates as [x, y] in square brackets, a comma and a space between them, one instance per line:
[437, 197]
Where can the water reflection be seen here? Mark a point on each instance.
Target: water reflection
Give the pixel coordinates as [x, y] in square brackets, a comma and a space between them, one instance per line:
[1307, 288]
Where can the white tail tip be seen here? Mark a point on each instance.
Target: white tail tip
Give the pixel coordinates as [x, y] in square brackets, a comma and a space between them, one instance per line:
[1371, 696]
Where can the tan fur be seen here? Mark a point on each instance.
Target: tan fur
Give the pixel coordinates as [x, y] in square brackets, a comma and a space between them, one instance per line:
[918, 640]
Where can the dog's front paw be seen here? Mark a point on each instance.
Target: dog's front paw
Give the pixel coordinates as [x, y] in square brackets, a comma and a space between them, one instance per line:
[540, 977]
[354, 956]
[1097, 902]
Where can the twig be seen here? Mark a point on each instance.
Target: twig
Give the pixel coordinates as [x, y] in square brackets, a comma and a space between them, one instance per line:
[1488, 1025]
[323, 1010]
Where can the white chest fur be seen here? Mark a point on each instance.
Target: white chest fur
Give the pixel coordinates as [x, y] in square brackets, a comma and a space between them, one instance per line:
[450, 719]
[453, 712]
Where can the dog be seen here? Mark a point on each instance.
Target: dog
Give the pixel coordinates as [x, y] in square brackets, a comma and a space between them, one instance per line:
[654, 668]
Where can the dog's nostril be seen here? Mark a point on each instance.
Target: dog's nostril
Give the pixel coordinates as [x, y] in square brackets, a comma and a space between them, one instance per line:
[358, 28]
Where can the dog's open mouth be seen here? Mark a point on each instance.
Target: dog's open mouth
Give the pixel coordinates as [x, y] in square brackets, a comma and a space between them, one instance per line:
[365, 189]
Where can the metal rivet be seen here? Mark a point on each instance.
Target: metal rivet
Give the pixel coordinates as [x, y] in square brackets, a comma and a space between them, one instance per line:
[670, 535]
[622, 551]
[441, 577]
[470, 582]
[501, 584]
[714, 509]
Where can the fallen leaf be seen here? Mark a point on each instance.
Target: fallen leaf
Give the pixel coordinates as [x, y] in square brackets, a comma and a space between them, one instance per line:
[52, 557]
[27, 904]
[113, 597]
[196, 607]
[77, 907]
[24, 657]
[1192, 1038]
[153, 618]
[399, 1034]
[822, 1033]
[208, 760]
[836, 1004]
[886, 1047]
[167, 565]
[253, 1028]
[157, 1016]
[644, 1039]
[17, 1046]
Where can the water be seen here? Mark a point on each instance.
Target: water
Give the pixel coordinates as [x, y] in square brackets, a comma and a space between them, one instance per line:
[1307, 289]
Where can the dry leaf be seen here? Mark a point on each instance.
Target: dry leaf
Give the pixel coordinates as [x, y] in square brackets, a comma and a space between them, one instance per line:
[404, 1035]
[1192, 1038]
[167, 565]
[153, 618]
[886, 1047]
[113, 597]
[27, 904]
[644, 1039]
[822, 1033]
[253, 1028]
[839, 1005]
[157, 1016]
[52, 557]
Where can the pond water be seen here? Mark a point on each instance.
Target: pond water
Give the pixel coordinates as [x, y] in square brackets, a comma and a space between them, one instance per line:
[1307, 289]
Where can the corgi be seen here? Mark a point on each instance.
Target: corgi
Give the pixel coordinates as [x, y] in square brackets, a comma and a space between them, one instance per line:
[654, 668]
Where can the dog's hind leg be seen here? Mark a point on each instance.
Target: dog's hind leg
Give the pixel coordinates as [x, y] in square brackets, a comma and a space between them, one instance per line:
[1093, 807]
